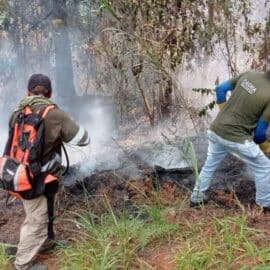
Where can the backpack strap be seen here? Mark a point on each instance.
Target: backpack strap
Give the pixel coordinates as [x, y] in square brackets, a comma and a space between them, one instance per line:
[46, 110]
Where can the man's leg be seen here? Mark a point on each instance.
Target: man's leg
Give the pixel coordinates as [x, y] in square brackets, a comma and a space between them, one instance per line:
[50, 243]
[34, 231]
[215, 154]
[259, 165]
[50, 202]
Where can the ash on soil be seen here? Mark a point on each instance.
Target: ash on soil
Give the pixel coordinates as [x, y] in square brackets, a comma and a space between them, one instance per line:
[125, 193]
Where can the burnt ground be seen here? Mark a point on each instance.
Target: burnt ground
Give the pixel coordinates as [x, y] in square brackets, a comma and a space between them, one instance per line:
[232, 190]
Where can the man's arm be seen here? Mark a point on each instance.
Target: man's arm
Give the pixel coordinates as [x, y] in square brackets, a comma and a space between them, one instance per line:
[71, 132]
[260, 131]
[260, 136]
[81, 138]
[223, 88]
[221, 93]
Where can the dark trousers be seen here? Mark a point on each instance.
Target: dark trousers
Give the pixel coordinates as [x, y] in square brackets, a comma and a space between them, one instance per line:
[50, 203]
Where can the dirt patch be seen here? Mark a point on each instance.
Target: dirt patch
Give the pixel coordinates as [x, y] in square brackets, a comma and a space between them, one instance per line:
[160, 257]
[121, 194]
[127, 194]
[11, 216]
[51, 260]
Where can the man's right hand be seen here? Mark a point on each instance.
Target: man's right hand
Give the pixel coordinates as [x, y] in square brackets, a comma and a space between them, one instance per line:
[265, 147]
[221, 105]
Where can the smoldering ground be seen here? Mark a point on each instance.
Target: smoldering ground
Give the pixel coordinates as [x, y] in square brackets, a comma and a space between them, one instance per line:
[108, 150]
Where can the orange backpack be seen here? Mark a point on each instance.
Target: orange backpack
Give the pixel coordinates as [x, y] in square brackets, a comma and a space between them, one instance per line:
[20, 168]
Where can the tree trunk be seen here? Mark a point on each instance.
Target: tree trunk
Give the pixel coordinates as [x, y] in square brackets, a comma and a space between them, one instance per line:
[165, 99]
[63, 64]
[15, 83]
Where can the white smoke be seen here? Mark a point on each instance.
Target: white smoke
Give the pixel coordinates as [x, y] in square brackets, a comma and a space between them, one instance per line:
[99, 120]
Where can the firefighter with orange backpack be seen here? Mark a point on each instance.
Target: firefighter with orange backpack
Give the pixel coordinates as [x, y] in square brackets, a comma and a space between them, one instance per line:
[30, 166]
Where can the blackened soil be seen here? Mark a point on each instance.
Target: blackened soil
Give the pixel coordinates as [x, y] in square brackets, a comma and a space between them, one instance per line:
[95, 191]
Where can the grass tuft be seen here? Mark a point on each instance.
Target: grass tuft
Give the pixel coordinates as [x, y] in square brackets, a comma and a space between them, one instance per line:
[115, 240]
[4, 259]
[230, 245]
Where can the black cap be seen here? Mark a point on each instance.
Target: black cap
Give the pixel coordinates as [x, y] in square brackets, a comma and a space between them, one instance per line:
[39, 80]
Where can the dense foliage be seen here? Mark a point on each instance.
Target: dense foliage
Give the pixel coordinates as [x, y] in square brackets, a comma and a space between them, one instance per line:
[132, 51]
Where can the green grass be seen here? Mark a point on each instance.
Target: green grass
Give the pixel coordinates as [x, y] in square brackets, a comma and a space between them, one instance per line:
[115, 241]
[120, 241]
[200, 240]
[4, 259]
[230, 245]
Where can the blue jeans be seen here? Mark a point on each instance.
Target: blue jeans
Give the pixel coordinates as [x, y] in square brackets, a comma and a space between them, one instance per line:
[248, 152]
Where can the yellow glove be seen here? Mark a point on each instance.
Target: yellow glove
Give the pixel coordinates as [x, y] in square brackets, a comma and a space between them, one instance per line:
[265, 147]
[221, 105]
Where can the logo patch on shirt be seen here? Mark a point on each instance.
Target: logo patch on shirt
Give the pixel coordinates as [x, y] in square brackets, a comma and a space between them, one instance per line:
[248, 86]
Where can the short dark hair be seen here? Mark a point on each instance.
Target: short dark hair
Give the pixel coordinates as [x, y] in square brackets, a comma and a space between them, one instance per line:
[40, 80]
